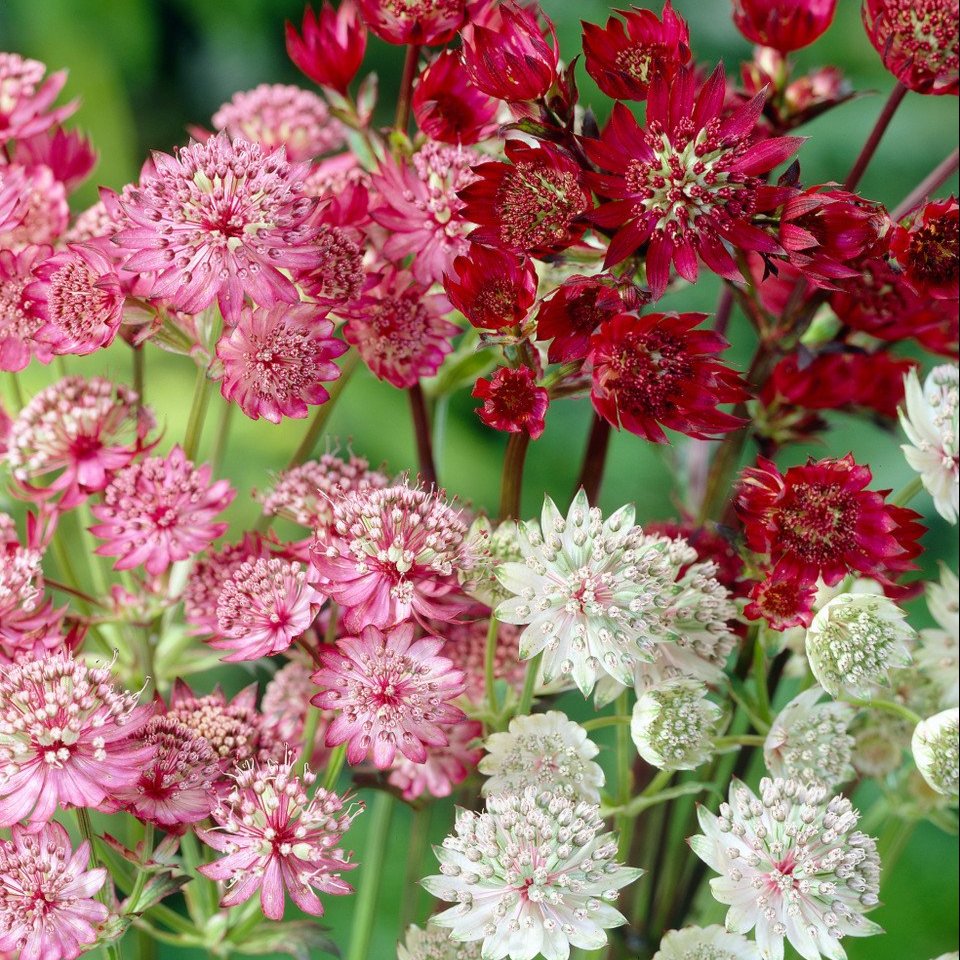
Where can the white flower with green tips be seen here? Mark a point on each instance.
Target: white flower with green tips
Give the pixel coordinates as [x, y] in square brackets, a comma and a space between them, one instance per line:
[936, 750]
[706, 943]
[673, 724]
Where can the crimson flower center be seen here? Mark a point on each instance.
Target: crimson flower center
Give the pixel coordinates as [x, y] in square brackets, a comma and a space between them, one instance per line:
[817, 524]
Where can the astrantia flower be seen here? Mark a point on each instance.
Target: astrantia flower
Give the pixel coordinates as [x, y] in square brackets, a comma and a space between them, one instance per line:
[809, 742]
[820, 520]
[939, 650]
[176, 786]
[444, 768]
[434, 943]
[431, 22]
[793, 866]
[400, 330]
[534, 204]
[673, 724]
[393, 553]
[47, 905]
[658, 371]
[784, 25]
[712, 545]
[572, 313]
[158, 511]
[927, 249]
[855, 640]
[492, 288]
[917, 41]
[931, 421]
[936, 749]
[545, 751]
[77, 295]
[687, 185]
[332, 44]
[340, 277]
[390, 693]
[26, 97]
[264, 607]
[275, 114]
[512, 401]
[18, 324]
[706, 943]
[782, 600]
[43, 211]
[534, 874]
[627, 54]
[421, 211]
[219, 221]
[68, 154]
[65, 738]
[448, 108]
[276, 360]
[276, 837]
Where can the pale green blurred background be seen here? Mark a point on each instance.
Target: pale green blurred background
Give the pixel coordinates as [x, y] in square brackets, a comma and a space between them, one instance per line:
[144, 70]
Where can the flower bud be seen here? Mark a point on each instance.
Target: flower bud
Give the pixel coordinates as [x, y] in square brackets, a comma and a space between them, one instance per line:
[672, 724]
[331, 47]
[784, 25]
[936, 752]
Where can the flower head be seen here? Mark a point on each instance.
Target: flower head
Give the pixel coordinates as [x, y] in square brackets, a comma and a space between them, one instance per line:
[158, 511]
[792, 865]
[782, 600]
[47, 905]
[276, 837]
[330, 46]
[784, 25]
[706, 943]
[66, 738]
[42, 210]
[431, 22]
[434, 943]
[658, 371]
[19, 324]
[219, 221]
[533, 874]
[855, 640]
[572, 313]
[448, 108]
[512, 401]
[627, 54]
[492, 288]
[688, 184]
[927, 249]
[936, 749]
[444, 768]
[939, 650]
[673, 724]
[68, 154]
[340, 277]
[390, 693]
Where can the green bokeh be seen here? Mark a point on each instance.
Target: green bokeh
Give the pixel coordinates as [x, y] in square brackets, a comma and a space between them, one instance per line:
[144, 69]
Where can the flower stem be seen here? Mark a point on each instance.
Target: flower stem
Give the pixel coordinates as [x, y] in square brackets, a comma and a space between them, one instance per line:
[365, 907]
[421, 432]
[223, 435]
[529, 682]
[310, 725]
[594, 458]
[745, 740]
[888, 706]
[904, 496]
[419, 837]
[86, 831]
[933, 181]
[624, 824]
[598, 723]
[489, 664]
[876, 135]
[334, 766]
[142, 875]
[16, 392]
[198, 413]
[512, 482]
[405, 96]
[139, 364]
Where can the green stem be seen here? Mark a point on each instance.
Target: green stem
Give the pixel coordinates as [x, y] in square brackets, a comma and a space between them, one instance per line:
[142, 875]
[904, 496]
[86, 831]
[529, 682]
[512, 482]
[371, 866]
[223, 435]
[334, 765]
[419, 837]
[198, 413]
[887, 705]
[745, 740]
[174, 920]
[624, 825]
[598, 723]
[16, 392]
[310, 726]
[760, 680]
[489, 664]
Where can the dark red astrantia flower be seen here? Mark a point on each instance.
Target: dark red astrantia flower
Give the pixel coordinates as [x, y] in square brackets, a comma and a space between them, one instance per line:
[512, 401]
[330, 46]
[627, 54]
[820, 520]
[448, 108]
[784, 25]
[492, 288]
[657, 371]
[687, 185]
[927, 246]
[782, 601]
[418, 22]
[572, 313]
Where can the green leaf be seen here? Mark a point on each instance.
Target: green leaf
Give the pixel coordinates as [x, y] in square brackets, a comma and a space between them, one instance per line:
[299, 939]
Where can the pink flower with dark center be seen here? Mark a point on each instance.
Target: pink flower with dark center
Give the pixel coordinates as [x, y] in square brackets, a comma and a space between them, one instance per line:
[927, 246]
[68, 154]
[393, 553]
[390, 694]
[820, 520]
[448, 108]
[421, 211]
[689, 182]
[275, 115]
[18, 325]
[444, 768]
[77, 295]
[492, 288]
[264, 607]
[572, 313]
[420, 22]
[47, 905]
[658, 371]
[79, 432]
[176, 786]
[158, 511]
[784, 25]
[277, 837]
[276, 360]
[782, 601]
[65, 738]
[220, 221]
[400, 330]
[42, 213]
[512, 401]
[332, 44]
[26, 97]
[627, 54]
[535, 204]
[340, 276]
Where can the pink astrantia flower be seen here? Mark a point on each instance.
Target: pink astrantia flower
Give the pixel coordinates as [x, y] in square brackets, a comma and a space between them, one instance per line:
[219, 221]
[444, 767]
[158, 511]
[42, 214]
[65, 738]
[448, 108]
[390, 693]
[332, 44]
[400, 330]
[264, 607]
[77, 295]
[19, 325]
[689, 182]
[492, 288]
[47, 905]
[67, 153]
[27, 97]
[276, 360]
[276, 837]
[419, 22]
[392, 553]
[512, 401]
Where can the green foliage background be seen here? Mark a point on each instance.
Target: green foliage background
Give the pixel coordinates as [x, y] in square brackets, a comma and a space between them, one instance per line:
[144, 69]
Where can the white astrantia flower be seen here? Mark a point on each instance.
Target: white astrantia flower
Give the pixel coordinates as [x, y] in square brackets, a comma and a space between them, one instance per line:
[880, 740]
[949, 956]
[938, 654]
[533, 874]
[596, 596]
[502, 545]
[434, 943]
[809, 741]
[706, 943]
[936, 750]
[792, 867]
[930, 421]
[854, 641]
[673, 724]
[542, 750]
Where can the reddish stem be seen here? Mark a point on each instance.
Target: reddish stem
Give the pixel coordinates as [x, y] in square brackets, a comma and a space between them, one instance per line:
[405, 96]
[512, 483]
[876, 135]
[594, 459]
[421, 430]
[933, 181]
